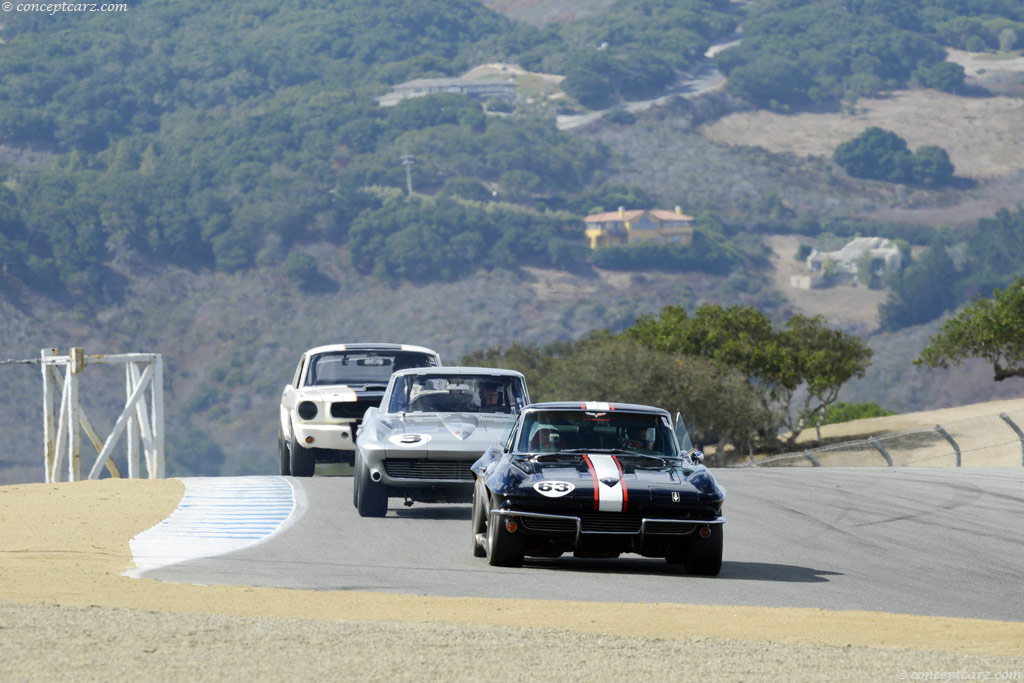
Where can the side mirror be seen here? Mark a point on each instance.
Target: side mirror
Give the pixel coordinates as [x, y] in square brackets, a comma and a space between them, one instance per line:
[697, 457]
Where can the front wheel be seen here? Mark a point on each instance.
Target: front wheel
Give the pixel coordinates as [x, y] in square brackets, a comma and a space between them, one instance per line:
[504, 549]
[704, 556]
[372, 498]
[479, 523]
[283, 455]
[302, 461]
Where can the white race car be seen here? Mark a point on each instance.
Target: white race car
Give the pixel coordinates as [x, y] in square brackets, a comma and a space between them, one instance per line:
[331, 389]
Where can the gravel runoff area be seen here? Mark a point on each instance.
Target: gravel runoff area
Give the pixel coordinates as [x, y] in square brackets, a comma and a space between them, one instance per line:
[65, 610]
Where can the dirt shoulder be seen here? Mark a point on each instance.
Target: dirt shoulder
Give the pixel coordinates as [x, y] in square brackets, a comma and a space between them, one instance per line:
[65, 546]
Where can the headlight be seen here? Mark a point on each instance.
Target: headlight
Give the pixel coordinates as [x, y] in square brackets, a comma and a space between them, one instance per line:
[306, 410]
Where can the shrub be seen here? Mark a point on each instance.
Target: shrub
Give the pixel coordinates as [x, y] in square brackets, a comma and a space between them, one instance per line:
[847, 412]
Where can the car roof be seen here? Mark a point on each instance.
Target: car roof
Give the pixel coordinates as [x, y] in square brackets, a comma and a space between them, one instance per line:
[369, 346]
[582, 406]
[459, 370]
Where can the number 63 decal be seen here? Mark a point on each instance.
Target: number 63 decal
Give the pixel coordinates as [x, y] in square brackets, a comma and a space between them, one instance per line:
[553, 489]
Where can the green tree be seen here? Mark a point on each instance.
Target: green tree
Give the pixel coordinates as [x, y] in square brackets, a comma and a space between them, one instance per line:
[921, 292]
[987, 328]
[717, 403]
[301, 269]
[876, 153]
[931, 166]
[804, 353]
[946, 76]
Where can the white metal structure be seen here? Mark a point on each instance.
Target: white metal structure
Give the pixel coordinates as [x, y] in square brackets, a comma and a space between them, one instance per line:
[139, 420]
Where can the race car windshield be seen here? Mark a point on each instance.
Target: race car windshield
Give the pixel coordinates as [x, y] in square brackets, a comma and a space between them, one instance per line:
[551, 431]
[456, 394]
[362, 367]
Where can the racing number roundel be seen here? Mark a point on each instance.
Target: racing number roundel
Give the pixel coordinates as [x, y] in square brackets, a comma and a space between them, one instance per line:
[553, 489]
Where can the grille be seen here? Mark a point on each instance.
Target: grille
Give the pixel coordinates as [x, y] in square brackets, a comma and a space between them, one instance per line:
[549, 525]
[412, 468]
[353, 408]
[674, 528]
[610, 522]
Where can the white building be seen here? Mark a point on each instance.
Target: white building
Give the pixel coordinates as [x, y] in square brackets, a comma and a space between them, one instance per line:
[479, 89]
[885, 259]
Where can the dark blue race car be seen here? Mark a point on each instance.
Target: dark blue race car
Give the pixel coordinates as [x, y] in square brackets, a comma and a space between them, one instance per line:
[597, 480]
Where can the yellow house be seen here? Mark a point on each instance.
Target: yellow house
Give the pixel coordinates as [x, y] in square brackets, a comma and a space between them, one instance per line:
[614, 228]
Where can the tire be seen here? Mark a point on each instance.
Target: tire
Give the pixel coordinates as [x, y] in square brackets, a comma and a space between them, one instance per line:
[355, 486]
[503, 549]
[704, 556]
[372, 500]
[283, 455]
[677, 557]
[302, 461]
[479, 523]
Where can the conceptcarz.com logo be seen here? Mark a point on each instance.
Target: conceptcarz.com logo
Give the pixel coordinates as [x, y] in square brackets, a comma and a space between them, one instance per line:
[52, 8]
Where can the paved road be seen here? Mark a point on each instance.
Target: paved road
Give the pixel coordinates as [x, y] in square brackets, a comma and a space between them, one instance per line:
[702, 77]
[942, 542]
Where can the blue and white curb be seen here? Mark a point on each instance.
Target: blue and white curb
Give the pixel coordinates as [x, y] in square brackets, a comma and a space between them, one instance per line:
[217, 515]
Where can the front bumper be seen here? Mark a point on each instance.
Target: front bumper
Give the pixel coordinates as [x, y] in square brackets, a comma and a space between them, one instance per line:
[635, 533]
[336, 437]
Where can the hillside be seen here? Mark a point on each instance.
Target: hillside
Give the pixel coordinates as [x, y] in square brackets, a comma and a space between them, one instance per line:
[230, 207]
[230, 343]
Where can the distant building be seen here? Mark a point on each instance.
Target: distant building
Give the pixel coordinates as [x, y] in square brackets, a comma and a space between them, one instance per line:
[885, 259]
[478, 89]
[615, 228]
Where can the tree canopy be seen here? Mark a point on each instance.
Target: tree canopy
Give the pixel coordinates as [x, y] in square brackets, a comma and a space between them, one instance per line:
[883, 155]
[777, 361]
[730, 372]
[798, 54]
[989, 328]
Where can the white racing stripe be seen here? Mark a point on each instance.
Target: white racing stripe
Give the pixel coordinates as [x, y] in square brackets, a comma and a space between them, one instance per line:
[609, 498]
[217, 515]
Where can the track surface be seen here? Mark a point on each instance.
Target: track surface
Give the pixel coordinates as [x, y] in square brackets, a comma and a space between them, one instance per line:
[939, 542]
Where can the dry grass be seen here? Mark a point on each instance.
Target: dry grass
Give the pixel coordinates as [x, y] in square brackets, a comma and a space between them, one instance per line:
[982, 135]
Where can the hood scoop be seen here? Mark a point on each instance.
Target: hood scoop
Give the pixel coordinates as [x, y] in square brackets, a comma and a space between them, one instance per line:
[460, 426]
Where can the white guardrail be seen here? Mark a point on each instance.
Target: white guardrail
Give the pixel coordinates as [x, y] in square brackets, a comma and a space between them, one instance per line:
[990, 441]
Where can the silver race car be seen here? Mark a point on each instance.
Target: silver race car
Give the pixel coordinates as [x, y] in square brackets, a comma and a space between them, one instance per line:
[431, 426]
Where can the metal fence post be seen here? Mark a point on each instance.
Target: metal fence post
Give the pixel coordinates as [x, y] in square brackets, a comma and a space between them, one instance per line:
[956, 448]
[1018, 432]
[814, 461]
[75, 366]
[49, 426]
[885, 454]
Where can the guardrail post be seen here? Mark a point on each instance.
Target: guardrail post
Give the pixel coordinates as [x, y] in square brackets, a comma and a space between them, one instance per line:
[956, 448]
[75, 367]
[49, 426]
[1018, 432]
[885, 454]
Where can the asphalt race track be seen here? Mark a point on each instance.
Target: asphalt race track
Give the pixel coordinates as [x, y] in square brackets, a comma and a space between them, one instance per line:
[938, 542]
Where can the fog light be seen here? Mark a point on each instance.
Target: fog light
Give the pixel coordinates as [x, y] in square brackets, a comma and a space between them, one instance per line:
[511, 526]
[705, 532]
[309, 439]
